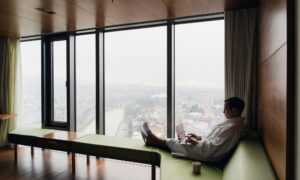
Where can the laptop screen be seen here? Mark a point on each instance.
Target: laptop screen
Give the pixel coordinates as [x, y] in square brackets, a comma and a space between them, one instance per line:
[180, 131]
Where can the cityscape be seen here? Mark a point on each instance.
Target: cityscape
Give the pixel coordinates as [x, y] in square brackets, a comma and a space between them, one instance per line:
[127, 107]
[135, 80]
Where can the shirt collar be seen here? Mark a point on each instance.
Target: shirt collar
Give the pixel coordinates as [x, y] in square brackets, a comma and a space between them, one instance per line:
[235, 119]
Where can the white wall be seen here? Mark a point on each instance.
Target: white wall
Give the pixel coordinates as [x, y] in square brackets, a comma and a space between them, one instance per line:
[298, 90]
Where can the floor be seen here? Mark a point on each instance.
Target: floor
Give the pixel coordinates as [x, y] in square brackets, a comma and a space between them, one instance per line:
[49, 164]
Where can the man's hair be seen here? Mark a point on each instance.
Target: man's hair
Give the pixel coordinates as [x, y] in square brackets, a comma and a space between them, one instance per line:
[235, 102]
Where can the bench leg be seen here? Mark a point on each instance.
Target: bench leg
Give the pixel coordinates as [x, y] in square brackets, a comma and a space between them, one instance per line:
[16, 153]
[32, 150]
[153, 175]
[73, 162]
[87, 159]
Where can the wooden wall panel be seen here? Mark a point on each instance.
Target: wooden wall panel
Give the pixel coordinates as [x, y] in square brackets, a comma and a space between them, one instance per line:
[272, 108]
[273, 82]
[273, 30]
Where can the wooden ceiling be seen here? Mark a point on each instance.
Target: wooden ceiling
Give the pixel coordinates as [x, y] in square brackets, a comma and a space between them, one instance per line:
[20, 18]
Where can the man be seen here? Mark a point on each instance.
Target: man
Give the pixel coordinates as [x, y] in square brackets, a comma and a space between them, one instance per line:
[221, 139]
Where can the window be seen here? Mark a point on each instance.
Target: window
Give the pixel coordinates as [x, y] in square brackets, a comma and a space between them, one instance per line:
[199, 57]
[60, 80]
[130, 84]
[85, 83]
[31, 84]
[135, 81]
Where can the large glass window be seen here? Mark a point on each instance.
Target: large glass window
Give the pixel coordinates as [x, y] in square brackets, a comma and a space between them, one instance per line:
[85, 83]
[199, 55]
[60, 80]
[31, 84]
[135, 81]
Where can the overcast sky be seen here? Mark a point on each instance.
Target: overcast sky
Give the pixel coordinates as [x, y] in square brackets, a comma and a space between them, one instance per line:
[139, 56]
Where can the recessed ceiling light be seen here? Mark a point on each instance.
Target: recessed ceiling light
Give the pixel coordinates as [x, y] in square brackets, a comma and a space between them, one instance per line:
[46, 10]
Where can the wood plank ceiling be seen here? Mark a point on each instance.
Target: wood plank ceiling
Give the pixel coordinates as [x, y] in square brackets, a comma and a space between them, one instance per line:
[20, 17]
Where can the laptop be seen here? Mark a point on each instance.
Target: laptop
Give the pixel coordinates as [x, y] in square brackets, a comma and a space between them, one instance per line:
[181, 133]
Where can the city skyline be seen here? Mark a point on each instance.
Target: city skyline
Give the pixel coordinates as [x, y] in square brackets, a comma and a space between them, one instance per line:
[155, 107]
[136, 78]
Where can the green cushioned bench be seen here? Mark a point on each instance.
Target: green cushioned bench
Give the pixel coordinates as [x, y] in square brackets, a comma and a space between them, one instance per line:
[27, 136]
[43, 138]
[179, 169]
[135, 150]
[30, 132]
[249, 160]
[117, 148]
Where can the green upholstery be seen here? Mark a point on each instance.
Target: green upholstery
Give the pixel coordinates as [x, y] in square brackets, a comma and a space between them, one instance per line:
[116, 148]
[32, 132]
[249, 161]
[111, 146]
[181, 169]
[113, 141]
[32, 137]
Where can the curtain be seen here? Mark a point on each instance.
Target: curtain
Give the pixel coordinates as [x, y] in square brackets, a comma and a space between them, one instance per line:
[9, 56]
[241, 60]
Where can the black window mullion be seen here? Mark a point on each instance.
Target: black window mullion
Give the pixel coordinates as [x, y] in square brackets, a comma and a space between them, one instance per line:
[47, 112]
[170, 80]
[51, 83]
[71, 83]
[100, 109]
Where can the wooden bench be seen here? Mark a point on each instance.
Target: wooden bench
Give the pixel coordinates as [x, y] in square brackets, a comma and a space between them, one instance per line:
[117, 148]
[45, 139]
[249, 160]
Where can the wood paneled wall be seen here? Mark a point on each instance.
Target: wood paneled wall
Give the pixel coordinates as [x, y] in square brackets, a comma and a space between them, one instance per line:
[276, 83]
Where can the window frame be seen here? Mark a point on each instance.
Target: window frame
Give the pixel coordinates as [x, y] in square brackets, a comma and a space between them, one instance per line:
[47, 70]
[48, 82]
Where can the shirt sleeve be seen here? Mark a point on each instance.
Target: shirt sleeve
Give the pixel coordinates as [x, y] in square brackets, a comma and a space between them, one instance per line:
[208, 150]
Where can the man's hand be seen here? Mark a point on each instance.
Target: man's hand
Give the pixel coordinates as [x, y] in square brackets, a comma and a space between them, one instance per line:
[191, 140]
[192, 135]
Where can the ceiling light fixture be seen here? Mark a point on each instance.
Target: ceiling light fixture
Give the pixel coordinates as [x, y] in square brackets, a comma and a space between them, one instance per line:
[46, 10]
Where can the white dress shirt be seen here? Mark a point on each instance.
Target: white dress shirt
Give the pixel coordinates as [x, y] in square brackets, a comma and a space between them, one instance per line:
[222, 138]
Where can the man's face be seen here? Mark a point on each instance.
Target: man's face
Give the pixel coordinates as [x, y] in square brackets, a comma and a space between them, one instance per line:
[227, 112]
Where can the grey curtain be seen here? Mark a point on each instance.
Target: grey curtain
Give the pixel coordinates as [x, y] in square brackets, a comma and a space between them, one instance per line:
[241, 60]
[9, 53]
